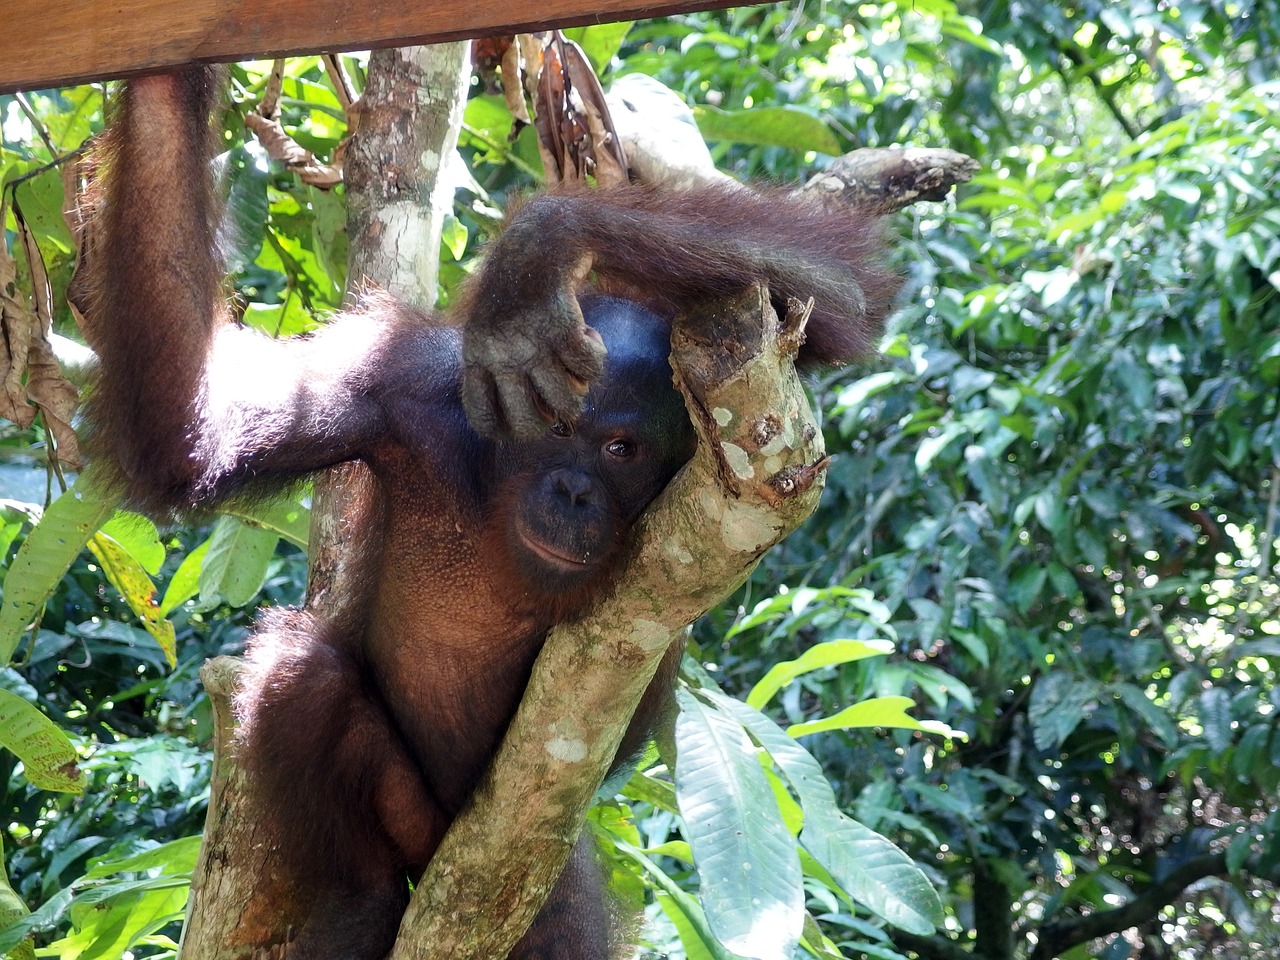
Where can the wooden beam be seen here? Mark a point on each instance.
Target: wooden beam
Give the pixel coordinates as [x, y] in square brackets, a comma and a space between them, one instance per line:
[44, 44]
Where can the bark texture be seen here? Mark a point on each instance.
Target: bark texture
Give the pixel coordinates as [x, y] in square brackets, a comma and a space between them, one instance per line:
[241, 906]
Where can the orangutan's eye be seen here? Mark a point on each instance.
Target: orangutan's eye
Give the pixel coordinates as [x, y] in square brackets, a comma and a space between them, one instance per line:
[620, 449]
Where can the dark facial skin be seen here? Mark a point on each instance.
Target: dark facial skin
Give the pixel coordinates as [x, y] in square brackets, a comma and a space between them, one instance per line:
[575, 491]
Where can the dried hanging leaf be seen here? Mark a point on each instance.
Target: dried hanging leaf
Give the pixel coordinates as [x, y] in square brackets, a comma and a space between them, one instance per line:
[513, 89]
[575, 131]
[531, 46]
[56, 397]
[265, 124]
[29, 369]
[46, 387]
[17, 322]
[280, 146]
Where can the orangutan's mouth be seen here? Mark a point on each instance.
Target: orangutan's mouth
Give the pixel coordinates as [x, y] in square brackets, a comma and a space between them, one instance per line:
[553, 557]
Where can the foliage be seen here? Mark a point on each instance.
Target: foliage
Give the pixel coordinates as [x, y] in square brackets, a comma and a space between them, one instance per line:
[1045, 564]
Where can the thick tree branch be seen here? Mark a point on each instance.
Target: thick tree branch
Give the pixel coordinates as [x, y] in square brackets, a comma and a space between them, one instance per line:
[936, 947]
[1058, 936]
[887, 179]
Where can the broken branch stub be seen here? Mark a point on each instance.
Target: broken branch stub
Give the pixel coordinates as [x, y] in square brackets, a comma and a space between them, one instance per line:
[888, 179]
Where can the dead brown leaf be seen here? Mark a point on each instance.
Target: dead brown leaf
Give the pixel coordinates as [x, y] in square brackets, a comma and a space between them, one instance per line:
[575, 130]
[32, 379]
[280, 146]
[16, 324]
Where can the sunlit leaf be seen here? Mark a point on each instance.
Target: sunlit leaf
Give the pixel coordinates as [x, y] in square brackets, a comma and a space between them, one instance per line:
[751, 883]
[869, 868]
[771, 126]
[46, 554]
[825, 654]
[235, 566]
[48, 758]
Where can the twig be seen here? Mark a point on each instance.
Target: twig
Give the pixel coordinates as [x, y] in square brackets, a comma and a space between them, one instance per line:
[342, 85]
[35, 121]
[55, 162]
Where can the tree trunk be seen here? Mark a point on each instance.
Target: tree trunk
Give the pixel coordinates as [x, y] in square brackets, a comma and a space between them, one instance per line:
[240, 905]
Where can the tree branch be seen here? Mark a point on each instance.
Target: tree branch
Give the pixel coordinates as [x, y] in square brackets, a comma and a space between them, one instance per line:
[936, 947]
[887, 179]
[1058, 936]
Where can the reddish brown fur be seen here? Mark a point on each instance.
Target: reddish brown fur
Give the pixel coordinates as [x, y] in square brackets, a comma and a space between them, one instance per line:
[667, 247]
[366, 737]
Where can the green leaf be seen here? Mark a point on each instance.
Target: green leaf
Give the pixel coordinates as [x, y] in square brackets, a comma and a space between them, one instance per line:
[186, 580]
[1058, 705]
[876, 712]
[869, 868]
[1156, 719]
[1215, 716]
[864, 388]
[650, 790]
[12, 909]
[45, 556]
[691, 922]
[600, 41]
[696, 945]
[137, 535]
[41, 199]
[176, 858]
[1025, 587]
[51, 912]
[48, 758]
[933, 445]
[235, 566]
[785, 126]
[1238, 851]
[287, 519]
[247, 205]
[453, 235]
[120, 915]
[752, 888]
[815, 658]
[130, 579]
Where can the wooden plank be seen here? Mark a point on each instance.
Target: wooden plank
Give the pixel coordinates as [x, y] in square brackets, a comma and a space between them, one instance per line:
[49, 44]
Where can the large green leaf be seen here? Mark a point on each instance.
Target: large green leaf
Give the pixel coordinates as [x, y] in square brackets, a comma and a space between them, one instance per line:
[185, 582]
[115, 917]
[136, 534]
[815, 658]
[1058, 705]
[751, 882]
[13, 909]
[47, 756]
[285, 517]
[876, 712]
[683, 910]
[869, 868]
[784, 126]
[600, 41]
[235, 566]
[128, 576]
[46, 554]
